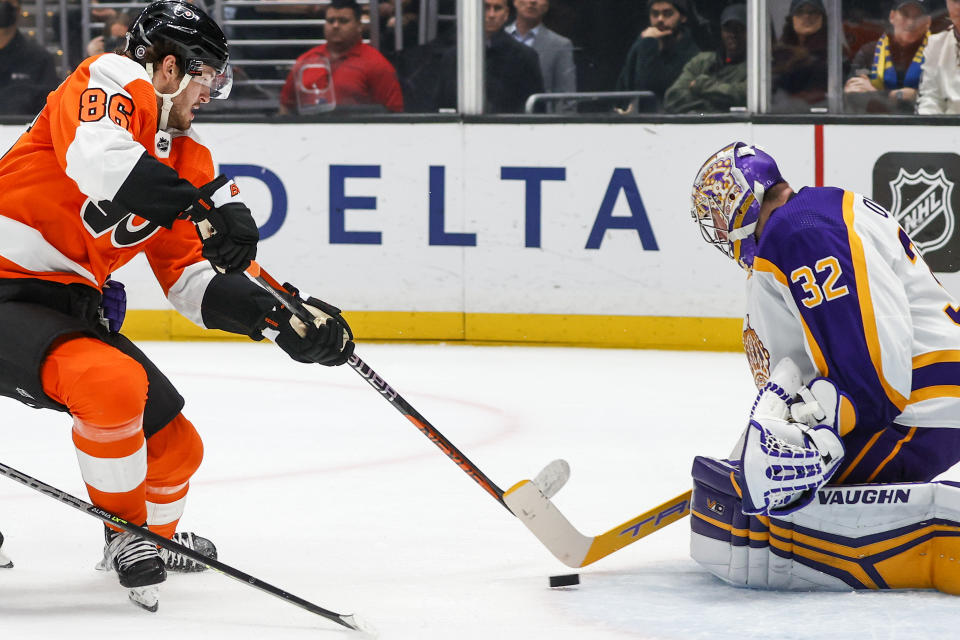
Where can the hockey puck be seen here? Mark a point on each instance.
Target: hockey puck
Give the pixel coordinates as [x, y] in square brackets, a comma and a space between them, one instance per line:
[568, 580]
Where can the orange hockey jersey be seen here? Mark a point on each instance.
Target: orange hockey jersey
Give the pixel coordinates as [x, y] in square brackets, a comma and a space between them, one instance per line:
[70, 185]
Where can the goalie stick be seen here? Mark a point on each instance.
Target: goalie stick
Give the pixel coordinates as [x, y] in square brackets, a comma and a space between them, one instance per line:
[528, 500]
[550, 479]
[349, 621]
[571, 547]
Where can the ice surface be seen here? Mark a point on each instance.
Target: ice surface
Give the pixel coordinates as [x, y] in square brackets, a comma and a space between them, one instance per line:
[313, 483]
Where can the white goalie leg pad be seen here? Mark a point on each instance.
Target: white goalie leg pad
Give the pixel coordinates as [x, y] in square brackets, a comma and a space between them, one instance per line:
[736, 547]
[877, 536]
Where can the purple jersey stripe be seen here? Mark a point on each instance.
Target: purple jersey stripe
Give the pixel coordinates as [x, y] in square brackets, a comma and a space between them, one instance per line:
[927, 454]
[937, 374]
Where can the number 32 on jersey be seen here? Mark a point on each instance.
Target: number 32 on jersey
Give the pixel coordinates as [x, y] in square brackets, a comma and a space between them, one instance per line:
[817, 293]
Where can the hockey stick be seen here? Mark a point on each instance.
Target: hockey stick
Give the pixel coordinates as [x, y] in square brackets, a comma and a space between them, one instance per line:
[550, 479]
[349, 621]
[527, 500]
[570, 546]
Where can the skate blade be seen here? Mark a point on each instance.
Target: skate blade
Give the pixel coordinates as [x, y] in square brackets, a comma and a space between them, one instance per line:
[196, 568]
[190, 566]
[5, 562]
[146, 597]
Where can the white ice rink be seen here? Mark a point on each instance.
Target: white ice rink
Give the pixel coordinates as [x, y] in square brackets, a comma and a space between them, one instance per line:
[314, 483]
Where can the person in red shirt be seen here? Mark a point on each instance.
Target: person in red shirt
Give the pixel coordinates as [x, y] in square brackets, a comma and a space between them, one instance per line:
[342, 72]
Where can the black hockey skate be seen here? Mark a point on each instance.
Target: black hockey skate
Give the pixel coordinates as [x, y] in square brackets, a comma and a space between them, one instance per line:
[5, 562]
[138, 566]
[182, 564]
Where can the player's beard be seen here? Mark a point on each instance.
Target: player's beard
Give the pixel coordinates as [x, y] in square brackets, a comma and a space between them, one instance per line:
[180, 117]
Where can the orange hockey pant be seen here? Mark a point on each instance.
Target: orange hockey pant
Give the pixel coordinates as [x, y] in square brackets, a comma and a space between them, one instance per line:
[105, 391]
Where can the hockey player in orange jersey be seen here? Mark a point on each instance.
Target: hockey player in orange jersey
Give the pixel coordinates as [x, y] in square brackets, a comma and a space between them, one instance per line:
[110, 168]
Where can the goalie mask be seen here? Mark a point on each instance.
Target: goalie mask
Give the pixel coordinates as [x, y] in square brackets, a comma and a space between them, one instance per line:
[727, 196]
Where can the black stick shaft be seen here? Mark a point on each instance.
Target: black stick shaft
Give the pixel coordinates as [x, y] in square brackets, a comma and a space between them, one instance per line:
[421, 423]
[143, 532]
[389, 393]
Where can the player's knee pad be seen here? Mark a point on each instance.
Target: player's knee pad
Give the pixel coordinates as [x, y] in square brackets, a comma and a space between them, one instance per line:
[894, 536]
[99, 384]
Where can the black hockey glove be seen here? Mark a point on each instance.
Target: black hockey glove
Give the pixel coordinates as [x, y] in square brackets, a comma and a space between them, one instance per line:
[328, 340]
[225, 225]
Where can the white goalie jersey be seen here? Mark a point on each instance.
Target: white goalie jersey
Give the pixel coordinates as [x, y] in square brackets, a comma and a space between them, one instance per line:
[839, 287]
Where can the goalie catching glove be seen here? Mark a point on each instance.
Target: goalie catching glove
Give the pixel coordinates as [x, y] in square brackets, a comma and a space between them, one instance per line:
[226, 227]
[327, 340]
[792, 445]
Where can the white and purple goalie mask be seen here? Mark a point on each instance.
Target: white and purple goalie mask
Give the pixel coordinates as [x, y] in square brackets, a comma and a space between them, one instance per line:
[727, 196]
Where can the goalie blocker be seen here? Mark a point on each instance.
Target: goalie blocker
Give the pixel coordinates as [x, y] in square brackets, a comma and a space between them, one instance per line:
[870, 536]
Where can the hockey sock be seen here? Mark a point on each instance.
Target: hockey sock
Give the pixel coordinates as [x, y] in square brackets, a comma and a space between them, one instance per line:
[113, 463]
[173, 455]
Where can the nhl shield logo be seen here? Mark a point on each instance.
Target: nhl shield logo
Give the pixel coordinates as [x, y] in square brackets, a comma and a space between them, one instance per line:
[921, 204]
[918, 190]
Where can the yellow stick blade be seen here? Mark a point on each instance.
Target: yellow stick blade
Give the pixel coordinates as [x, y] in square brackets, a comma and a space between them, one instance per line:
[639, 527]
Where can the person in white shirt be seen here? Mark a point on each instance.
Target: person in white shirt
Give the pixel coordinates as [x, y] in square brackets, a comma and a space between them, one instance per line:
[939, 91]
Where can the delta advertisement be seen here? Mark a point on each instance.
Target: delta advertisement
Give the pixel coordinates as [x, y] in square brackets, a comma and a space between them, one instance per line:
[541, 220]
[507, 219]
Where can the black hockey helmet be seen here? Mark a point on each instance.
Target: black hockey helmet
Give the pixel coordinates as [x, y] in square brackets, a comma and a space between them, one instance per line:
[196, 37]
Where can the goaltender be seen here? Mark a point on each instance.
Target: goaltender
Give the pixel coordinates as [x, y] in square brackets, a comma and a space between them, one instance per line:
[855, 348]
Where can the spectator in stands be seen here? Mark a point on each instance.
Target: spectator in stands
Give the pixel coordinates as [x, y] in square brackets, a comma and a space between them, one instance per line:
[861, 23]
[263, 18]
[99, 13]
[715, 81]
[27, 70]
[360, 74]
[512, 70]
[420, 67]
[660, 52]
[265, 21]
[940, 86]
[409, 24]
[799, 66]
[113, 34]
[555, 51]
[886, 73]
